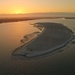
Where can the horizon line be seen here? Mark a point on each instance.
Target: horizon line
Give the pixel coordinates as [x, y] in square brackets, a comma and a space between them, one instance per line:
[37, 13]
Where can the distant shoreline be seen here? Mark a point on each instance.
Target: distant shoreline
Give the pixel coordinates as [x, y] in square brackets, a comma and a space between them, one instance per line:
[53, 37]
[6, 20]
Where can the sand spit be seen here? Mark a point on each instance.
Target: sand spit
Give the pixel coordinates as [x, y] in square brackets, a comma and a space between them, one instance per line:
[53, 37]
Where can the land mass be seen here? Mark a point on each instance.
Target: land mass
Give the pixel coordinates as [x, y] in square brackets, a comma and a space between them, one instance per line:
[53, 37]
[5, 20]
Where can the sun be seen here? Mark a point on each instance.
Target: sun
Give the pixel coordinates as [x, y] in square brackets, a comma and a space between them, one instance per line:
[19, 12]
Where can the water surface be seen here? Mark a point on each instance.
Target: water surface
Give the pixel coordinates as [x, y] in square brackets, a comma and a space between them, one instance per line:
[61, 62]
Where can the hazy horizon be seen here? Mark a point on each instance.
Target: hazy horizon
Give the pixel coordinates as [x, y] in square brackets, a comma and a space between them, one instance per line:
[48, 14]
[34, 6]
[42, 13]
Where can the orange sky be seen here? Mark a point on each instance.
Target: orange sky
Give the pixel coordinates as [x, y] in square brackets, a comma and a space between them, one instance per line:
[31, 6]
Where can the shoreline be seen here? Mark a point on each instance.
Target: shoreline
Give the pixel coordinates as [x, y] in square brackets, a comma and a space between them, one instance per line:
[51, 42]
[17, 19]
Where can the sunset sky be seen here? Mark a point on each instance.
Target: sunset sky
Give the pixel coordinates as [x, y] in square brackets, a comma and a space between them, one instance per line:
[32, 6]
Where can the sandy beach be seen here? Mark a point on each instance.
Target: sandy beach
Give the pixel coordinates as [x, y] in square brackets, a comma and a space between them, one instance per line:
[53, 37]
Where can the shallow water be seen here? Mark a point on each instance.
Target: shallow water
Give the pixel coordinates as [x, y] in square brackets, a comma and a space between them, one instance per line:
[60, 62]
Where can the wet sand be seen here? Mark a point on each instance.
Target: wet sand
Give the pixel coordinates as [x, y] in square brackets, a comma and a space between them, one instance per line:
[53, 37]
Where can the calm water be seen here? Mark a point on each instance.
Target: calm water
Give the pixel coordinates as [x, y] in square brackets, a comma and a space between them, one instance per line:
[61, 62]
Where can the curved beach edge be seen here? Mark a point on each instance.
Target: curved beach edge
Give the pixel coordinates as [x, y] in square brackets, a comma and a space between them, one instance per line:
[23, 51]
